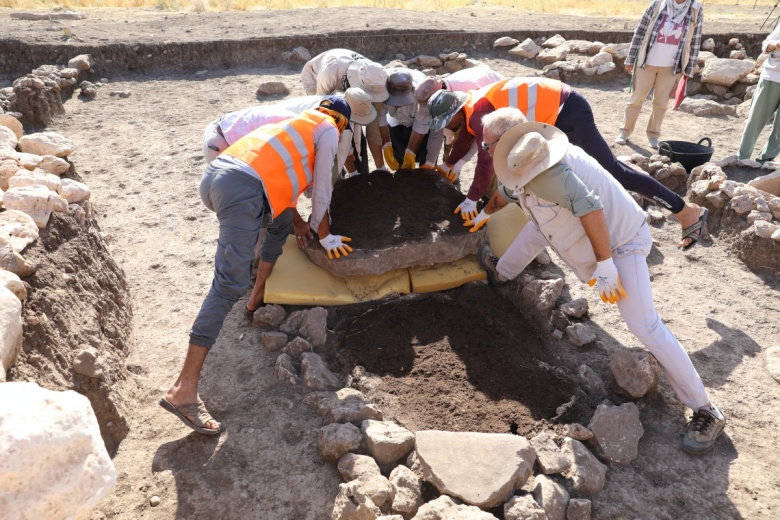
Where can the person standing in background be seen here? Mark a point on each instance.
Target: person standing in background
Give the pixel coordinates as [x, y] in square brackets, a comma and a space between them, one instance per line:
[663, 52]
[766, 100]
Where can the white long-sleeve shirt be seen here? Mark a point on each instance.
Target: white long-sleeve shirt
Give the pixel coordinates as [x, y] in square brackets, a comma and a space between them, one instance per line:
[325, 73]
[771, 70]
[297, 105]
[235, 125]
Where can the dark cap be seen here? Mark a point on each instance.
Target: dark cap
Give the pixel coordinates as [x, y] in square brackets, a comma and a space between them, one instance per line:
[401, 88]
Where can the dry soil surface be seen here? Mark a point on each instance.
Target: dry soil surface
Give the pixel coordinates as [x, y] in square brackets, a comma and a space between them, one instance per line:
[142, 158]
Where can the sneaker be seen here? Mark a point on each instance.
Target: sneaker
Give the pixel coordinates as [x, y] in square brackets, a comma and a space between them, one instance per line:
[489, 262]
[653, 142]
[622, 138]
[702, 431]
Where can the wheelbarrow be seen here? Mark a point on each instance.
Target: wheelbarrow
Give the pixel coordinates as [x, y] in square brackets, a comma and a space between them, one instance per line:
[690, 155]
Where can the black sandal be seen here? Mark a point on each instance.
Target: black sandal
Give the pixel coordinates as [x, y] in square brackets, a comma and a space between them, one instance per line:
[695, 231]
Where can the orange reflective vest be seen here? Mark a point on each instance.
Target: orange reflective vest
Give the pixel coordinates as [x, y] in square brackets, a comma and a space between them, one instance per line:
[538, 98]
[282, 155]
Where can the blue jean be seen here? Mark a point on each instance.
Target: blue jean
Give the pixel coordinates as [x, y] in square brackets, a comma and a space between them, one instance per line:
[238, 199]
[576, 121]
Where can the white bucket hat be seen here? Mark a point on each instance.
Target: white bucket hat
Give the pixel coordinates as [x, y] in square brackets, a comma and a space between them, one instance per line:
[363, 112]
[525, 151]
[369, 76]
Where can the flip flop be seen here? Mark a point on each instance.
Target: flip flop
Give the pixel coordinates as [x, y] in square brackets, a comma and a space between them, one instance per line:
[198, 410]
[696, 230]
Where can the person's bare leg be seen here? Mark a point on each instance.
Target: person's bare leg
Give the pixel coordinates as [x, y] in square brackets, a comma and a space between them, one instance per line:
[688, 217]
[263, 272]
[185, 390]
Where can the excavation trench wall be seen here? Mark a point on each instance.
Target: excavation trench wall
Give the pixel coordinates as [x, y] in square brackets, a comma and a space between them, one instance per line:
[19, 58]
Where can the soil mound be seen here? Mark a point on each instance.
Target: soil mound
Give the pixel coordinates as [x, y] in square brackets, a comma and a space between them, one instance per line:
[464, 360]
[381, 210]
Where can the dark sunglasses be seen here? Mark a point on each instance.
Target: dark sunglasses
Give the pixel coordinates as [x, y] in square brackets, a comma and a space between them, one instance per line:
[486, 146]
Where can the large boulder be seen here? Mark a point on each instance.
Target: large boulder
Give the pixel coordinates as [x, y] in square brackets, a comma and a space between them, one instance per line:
[54, 463]
[10, 331]
[725, 71]
[47, 143]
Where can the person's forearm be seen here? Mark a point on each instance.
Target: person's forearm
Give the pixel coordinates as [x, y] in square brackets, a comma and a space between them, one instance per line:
[414, 141]
[595, 225]
[495, 203]
[324, 228]
[384, 131]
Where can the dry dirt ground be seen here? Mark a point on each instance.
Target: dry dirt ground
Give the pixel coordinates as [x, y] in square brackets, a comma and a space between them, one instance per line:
[142, 158]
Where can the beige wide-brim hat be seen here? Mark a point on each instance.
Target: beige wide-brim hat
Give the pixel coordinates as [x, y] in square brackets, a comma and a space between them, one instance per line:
[525, 151]
[369, 76]
[363, 112]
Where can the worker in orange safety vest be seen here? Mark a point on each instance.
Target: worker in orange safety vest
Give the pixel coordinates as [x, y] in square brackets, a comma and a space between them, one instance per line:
[256, 183]
[541, 100]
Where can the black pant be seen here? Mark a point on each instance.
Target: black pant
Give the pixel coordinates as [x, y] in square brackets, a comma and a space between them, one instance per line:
[399, 136]
[576, 120]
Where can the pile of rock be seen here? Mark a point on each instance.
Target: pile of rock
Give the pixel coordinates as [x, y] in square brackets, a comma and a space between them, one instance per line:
[568, 60]
[445, 63]
[672, 175]
[30, 190]
[751, 211]
[37, 97]
[386, 467]
[722, 85]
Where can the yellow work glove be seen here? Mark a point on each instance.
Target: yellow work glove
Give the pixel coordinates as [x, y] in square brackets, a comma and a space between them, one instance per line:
[410, 159]
[607, 282]
[478, 222]
[335, 244]
[387, 152]
[446, 172]
[467, 209]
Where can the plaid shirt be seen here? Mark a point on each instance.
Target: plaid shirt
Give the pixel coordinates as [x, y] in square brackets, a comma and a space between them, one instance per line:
[641, 32]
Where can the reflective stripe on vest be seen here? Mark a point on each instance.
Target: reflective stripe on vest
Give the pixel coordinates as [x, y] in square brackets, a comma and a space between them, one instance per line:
[538, 98]
[282, 155]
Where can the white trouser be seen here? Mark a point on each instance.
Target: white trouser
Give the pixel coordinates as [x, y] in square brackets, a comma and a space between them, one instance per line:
[213, 142]
[637, 309]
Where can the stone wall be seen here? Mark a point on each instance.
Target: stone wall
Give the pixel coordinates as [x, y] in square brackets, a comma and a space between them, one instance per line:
[18, 58]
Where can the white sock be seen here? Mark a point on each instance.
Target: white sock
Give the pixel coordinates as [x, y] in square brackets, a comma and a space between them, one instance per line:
[712, 409]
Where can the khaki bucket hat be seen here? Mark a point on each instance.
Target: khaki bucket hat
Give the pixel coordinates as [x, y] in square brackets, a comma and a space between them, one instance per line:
[369, 76]
[363, 112]
[525, 151]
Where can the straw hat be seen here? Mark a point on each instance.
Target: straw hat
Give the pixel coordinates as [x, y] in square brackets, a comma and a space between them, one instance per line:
[363, 112]
[369, 76]
[525, 151]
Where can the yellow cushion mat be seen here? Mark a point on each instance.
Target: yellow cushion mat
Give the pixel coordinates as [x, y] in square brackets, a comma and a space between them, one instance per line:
[297, 281]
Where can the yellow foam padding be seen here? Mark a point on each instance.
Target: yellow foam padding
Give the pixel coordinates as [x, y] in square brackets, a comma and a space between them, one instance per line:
[295, 280]
[503, 227]
[440, 277]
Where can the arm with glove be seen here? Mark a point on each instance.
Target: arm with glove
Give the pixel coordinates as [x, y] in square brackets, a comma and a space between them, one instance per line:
[496, 202]
[605, 277]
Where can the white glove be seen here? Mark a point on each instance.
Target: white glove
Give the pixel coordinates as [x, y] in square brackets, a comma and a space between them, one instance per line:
[458, 166]
[335, 244]
[478, 222]
[607, 281]
[467, 209]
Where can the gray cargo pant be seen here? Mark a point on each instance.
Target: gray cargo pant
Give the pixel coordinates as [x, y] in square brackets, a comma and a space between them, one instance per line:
[238, 199]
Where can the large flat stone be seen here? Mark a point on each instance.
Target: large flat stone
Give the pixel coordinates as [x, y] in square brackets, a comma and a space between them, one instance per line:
[482, 469]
